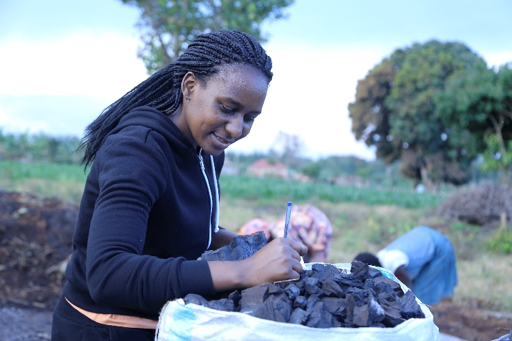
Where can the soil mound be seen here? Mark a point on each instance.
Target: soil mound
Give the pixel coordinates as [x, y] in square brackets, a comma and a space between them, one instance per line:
[35, 241]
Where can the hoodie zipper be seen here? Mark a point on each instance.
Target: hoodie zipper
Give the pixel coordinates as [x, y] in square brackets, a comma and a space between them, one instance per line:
[201, 162]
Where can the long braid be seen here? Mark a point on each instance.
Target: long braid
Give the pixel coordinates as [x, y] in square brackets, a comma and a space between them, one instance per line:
[162, 90]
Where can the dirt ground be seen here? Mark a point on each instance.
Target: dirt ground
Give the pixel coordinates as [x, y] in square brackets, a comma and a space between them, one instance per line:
[35, 240]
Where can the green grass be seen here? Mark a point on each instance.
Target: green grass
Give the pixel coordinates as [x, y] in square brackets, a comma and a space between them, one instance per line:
[272, 188]
[62, 181]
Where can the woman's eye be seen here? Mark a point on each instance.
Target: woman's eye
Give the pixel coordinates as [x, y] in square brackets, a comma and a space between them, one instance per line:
[226, 109]
[249, 119]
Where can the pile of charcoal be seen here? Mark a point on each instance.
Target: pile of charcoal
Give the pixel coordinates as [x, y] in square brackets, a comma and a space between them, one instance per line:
[323, 297]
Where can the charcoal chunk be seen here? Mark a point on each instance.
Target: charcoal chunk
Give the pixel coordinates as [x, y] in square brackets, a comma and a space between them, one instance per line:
[275, 308]
[223, 304]
[240, 248]
[360, 270]
[252, 297]
[321, 318]
[349, 280]
[235, 297]
[299, 316]
[410, 307]
[300, 302]
[331, 288]
[195, 299]
[336, 306]
[292, 291]
[311, 286]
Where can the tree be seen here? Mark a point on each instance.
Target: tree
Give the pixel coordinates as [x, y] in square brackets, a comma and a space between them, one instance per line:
[167, 26]
[480, 102]
[288, 148]
[394, 111]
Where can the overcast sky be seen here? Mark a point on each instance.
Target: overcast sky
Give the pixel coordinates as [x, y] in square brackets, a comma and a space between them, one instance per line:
[62, 62]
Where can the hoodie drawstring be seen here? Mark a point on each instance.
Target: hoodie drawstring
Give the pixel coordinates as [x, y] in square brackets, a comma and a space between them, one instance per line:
[201, 162]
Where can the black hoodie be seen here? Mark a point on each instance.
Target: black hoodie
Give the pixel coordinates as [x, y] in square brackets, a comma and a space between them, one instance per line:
[146, 215]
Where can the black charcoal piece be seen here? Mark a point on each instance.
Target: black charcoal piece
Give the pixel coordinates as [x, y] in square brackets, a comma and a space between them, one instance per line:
[410, 307]
[376, 312]
[292, 291]
[235, 297]
[368, 284]
[299, 316]
[223, 304]
[275, 308]
[300, 302]
[273, 290]
[321, 318]
[195, 299]
[311, 286]
[381, 287]
[395, 286]
[360, 270]
[360, 316]
[252, 297]
[240, 248]
[355, 299]
[390, 302]
[349, 280]
[324, 271]
[331, 288]
[374, 272]
[311, 302]
[336, 306]
[301, 282]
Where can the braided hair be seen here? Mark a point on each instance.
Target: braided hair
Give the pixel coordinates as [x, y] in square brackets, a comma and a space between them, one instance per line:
[162, 90]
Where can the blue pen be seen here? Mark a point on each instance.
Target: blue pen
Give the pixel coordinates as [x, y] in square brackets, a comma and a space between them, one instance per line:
[287, 220]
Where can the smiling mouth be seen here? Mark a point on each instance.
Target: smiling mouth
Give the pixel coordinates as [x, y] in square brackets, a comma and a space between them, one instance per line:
[223, 141]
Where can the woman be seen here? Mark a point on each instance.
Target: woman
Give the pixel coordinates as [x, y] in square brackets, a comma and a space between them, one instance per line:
[150, 203]
[422, 259]
[308, 225]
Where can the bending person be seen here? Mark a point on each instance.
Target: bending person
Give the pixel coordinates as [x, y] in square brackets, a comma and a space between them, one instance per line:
[308, 225]
[423, 259]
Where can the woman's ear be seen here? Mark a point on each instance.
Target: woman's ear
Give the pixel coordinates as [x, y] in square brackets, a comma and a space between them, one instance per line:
[188, 84]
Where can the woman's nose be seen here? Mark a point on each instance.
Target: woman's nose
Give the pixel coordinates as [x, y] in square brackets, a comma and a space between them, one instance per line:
[235, 126]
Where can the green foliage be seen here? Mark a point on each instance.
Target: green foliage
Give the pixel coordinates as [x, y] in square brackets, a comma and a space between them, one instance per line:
[497, 155]
[395, 111]
[312, 170]
[501, 241]
[39, 148]
[480, 103]
[167, 26]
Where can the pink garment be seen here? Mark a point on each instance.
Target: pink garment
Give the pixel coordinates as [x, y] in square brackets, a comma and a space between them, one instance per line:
[308, 225]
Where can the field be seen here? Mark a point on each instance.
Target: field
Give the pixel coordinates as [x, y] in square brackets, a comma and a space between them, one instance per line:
[364, 219]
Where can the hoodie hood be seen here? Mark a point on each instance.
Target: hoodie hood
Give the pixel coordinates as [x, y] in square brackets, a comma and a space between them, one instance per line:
[156, 120]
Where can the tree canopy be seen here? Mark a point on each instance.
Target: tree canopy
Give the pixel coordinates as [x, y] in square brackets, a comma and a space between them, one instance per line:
[480, 102]
[395, 111]
[167, 26]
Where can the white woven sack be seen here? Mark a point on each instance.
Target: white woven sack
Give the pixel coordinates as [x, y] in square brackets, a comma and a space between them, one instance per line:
[197, 323]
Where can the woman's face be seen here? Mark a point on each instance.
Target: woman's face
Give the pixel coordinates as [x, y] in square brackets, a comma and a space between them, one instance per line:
[222, 111]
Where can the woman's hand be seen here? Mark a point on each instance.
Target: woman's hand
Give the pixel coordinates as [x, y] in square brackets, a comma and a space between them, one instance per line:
[279, 260]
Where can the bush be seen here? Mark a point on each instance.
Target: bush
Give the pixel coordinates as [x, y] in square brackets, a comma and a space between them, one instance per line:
[501, 241]
[481, 205]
